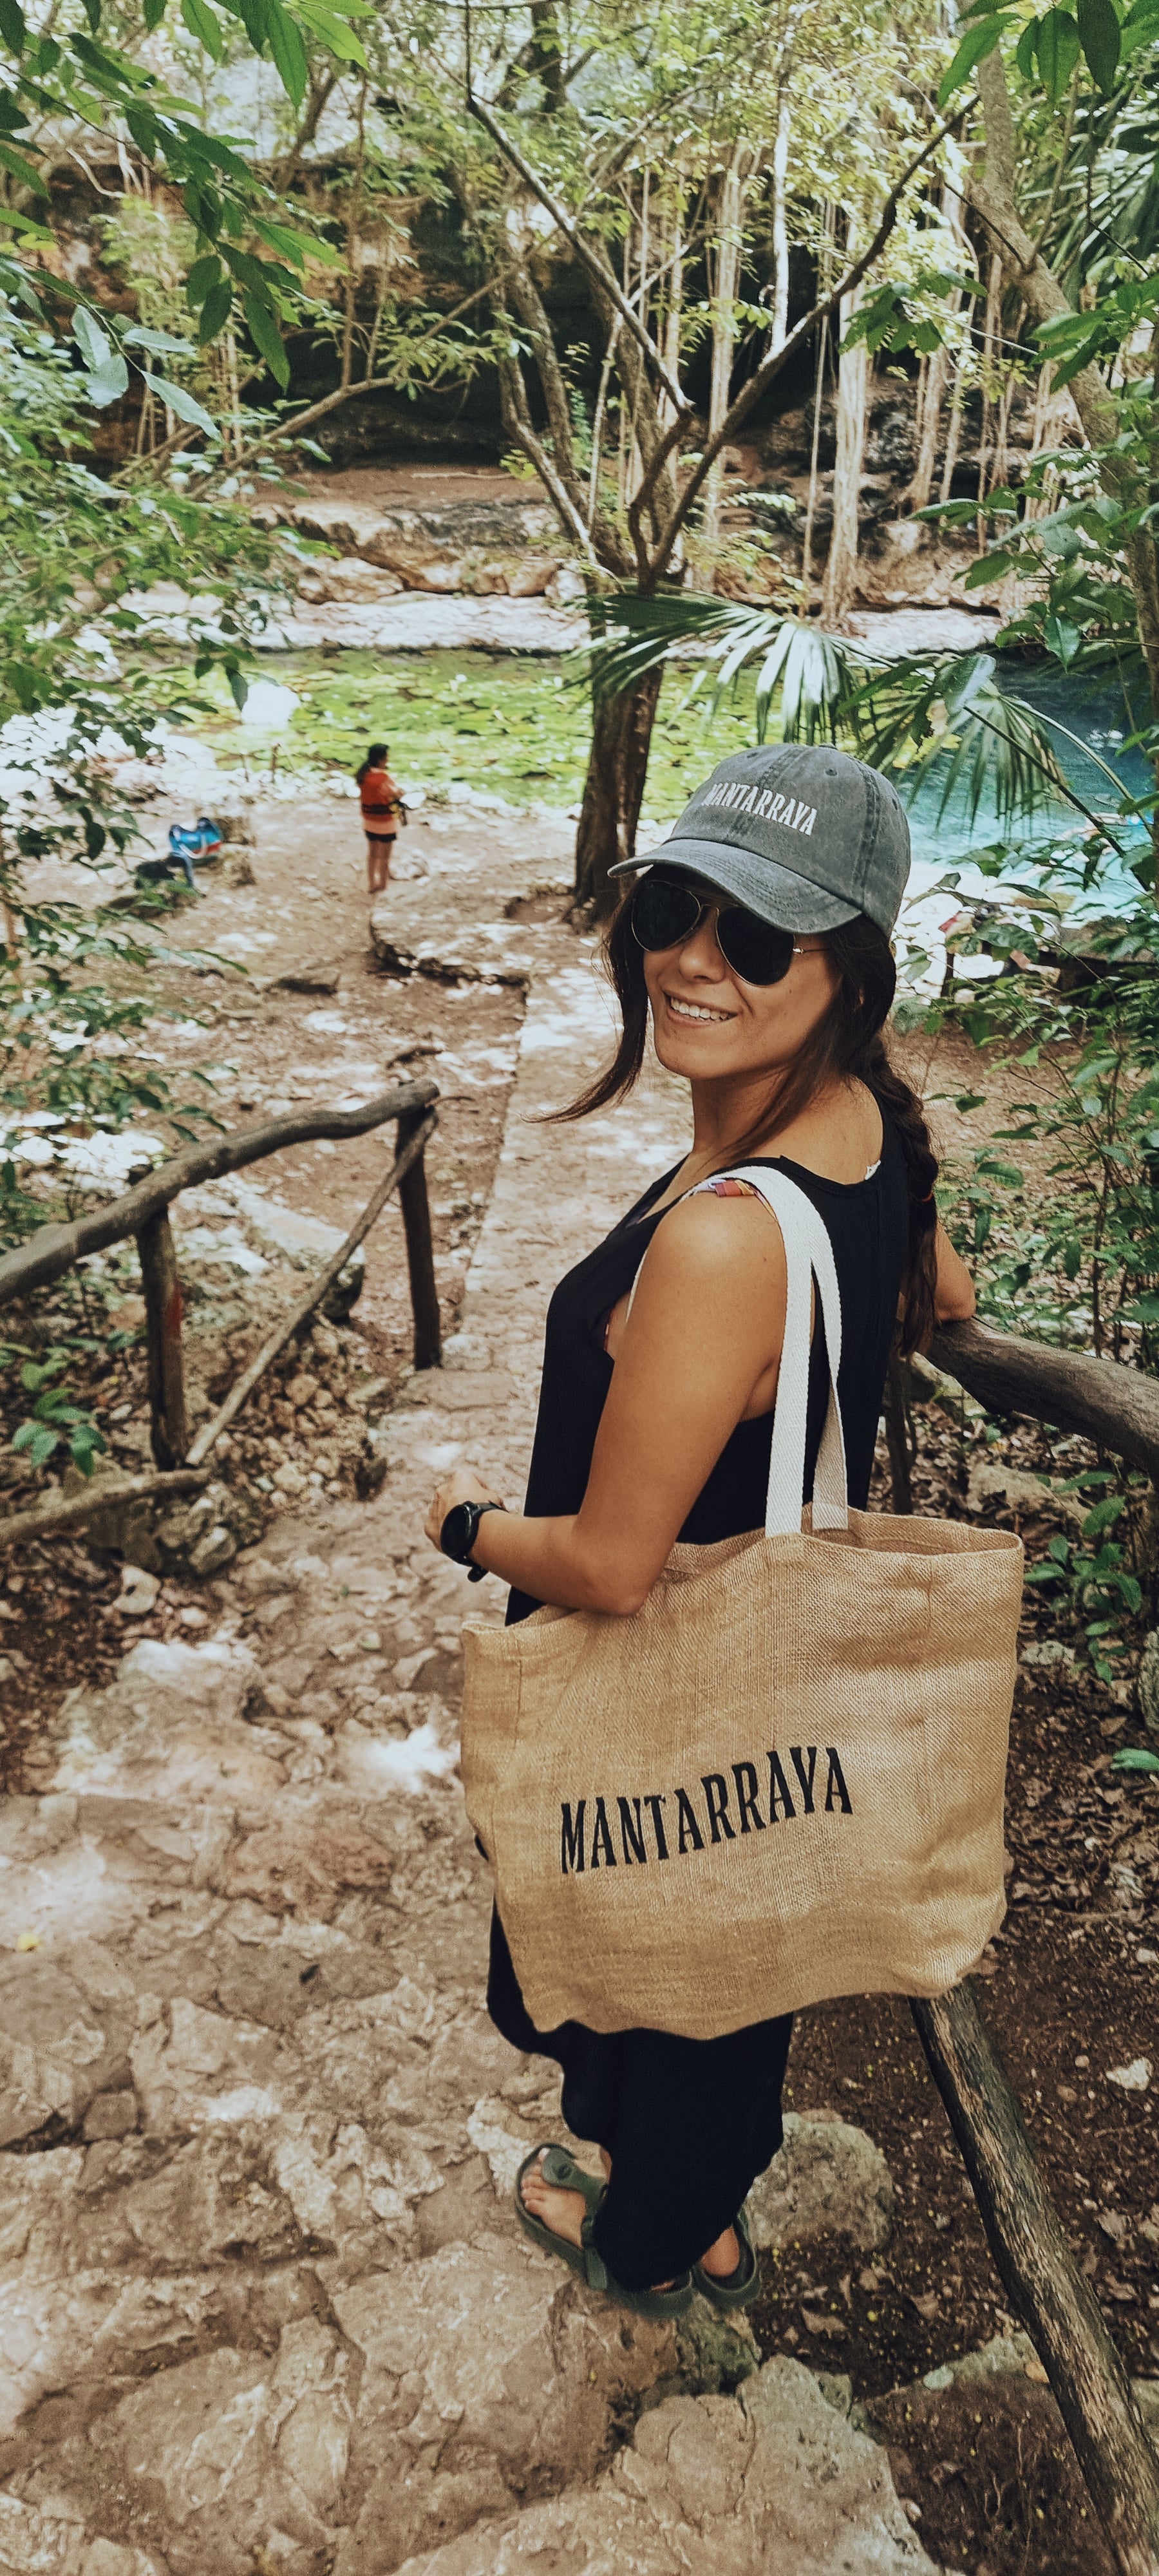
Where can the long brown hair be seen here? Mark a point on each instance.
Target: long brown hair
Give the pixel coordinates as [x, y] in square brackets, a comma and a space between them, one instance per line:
[847, 1044]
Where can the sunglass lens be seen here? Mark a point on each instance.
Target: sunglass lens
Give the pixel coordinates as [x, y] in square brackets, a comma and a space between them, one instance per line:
[663, 913]
[756, 950]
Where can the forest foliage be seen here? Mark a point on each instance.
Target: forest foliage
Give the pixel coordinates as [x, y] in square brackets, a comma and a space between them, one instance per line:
[737, 191]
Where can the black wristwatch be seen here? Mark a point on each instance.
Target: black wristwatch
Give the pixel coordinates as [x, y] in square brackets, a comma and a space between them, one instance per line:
[460, 1531]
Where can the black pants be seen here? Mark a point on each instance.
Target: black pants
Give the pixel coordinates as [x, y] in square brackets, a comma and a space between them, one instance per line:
[688, 2123]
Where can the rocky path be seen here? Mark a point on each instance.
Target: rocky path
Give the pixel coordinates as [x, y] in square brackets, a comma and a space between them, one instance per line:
[266, 2308]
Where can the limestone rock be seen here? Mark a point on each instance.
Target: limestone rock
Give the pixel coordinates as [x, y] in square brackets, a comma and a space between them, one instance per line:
[773, 2479]
[63, 2033]
[171, 1725]
[194, 1537]
[992, 1482]
[349, 578]
[479, 2362]
[828, 2180]
[1149, 1681]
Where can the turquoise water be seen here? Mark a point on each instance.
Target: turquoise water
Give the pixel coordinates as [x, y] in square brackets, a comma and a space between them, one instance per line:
[1098, 716]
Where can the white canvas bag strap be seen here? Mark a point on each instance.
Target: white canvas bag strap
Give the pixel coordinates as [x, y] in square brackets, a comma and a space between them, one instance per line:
[808, 1256]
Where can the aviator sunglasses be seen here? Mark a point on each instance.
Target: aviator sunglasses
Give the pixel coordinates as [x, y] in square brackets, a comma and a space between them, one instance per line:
[666, 912]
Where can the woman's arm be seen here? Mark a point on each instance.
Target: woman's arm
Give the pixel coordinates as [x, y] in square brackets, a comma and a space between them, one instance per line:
[706, 1325]
[954, 1298]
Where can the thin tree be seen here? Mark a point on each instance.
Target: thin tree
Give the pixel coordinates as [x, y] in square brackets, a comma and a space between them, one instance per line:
[646, 555]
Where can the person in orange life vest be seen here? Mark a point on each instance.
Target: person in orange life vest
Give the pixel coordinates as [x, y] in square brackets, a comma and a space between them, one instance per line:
[382, 812]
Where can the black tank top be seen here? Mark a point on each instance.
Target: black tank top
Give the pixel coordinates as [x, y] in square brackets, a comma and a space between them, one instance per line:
[868, 1226]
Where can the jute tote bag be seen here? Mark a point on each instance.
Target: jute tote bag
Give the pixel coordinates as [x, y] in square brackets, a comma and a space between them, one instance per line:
[782, 1778]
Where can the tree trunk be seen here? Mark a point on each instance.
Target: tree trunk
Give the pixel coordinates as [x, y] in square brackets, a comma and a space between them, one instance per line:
[933, 396]
[780, 331]
[852, 383]
[614, 792]
[993, 195]
[729, 250]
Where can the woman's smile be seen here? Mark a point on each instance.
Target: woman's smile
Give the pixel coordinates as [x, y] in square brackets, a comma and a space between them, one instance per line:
[682, 1009]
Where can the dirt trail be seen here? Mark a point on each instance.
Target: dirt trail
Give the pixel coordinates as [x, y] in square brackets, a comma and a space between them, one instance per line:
[267, 2305]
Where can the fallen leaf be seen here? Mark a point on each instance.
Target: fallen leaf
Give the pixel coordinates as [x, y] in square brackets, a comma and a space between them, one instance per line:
[823, 2325]
[1034, 2370]
[927, 2306]
[868, 2279]
[1112, 2225]
[1066, 2093]
[1134, 2078]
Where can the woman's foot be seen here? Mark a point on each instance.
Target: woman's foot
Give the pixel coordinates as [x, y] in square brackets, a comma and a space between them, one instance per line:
[563, 2211]
[722, 2258]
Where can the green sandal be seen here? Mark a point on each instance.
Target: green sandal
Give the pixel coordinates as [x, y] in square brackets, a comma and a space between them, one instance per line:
[561, 2170]
[738, 2289]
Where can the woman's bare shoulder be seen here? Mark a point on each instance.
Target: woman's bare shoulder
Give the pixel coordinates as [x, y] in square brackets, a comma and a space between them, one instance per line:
[716, 1238]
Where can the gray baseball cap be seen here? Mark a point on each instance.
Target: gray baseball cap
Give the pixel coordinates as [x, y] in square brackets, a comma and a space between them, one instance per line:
[801, 833]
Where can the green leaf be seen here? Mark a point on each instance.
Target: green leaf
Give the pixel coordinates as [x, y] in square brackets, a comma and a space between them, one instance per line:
[13, 31]
[267, 338]
[216, 310]
[989, 568]
[1072, 1256]
[1130, 1757]
[203, 275]
[185, 405]
[1061, 638]
[1101, 40]
[1103, 1515]
[109, 382]
[289, 52]
[978, 41]
[1057, 47]
[25, 684]
[38, 1439]
[160, 344]
[204, 24]
[21, 169]
[153, 12]
[95, 346]
[333, 31]
[1024, 49]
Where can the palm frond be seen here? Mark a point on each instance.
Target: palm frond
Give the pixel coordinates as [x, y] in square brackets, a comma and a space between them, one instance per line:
[814, 672]
[933, 715]
[948, 717]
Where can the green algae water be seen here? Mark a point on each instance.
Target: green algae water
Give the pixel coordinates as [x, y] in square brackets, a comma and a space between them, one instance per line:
[515, 725]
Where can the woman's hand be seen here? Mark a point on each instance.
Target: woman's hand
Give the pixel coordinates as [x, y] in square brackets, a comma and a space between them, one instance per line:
[463, 1485]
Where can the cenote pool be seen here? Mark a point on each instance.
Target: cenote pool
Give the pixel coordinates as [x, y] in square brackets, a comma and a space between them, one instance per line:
[516, 727]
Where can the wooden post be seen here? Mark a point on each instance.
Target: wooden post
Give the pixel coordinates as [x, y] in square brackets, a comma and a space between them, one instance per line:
[421, 1129]
[420, 1259]
[170, 1431]
[1046, 2287]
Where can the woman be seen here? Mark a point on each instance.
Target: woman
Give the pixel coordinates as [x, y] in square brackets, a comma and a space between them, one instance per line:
[758, 942]
[382, 810]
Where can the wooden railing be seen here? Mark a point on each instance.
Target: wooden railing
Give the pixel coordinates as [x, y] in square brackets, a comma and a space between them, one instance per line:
[143, 1214]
